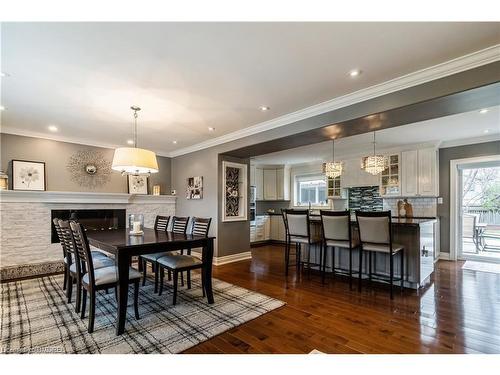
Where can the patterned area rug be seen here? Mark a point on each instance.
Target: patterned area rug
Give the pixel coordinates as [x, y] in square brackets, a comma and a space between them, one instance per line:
[36, 318]
[481, 266]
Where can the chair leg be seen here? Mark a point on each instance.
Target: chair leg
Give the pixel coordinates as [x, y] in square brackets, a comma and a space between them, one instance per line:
[157, 270]
[350, 269]
[65, 279]
[370, 267]
[136, 299]
[182, 278]
[91, 311]
[323, 263]
[402, 270]
[144, 269]
[169, 275]
[203, 287]
[189, 279]
[287, 256]
[69, 290]
[391, 275]
[161, 271]
[78, 295]
[360, 268]
[176, 279]
[84, 303]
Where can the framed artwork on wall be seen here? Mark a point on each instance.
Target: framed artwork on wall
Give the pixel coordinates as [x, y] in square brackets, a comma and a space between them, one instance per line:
[235, 186]
[194, 188]
[137, 184]
[28, 175]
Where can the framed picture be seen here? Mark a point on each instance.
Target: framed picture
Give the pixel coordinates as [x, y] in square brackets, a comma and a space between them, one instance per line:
[137, 185]
[194, 188]
[28, 175]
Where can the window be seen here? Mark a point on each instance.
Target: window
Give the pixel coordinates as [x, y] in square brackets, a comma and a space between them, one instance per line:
[310, 188]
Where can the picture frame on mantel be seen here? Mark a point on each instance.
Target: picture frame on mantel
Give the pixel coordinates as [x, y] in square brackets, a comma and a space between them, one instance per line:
[234, 194]
[28, 175]
[137, 185]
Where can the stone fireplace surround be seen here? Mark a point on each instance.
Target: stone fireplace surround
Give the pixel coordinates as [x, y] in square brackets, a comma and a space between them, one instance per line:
[25, 225]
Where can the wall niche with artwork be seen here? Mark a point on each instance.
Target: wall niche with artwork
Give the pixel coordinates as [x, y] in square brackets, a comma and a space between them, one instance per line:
[234, 195]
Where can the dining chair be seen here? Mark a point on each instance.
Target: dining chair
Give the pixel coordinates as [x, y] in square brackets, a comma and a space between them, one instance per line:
[179, 226]
[74, 262]
[336, 231]
[95, 279]
[375, 234]
[469, 229]
[299, 233]
[178, 263]
[67, 262]
[161, 225]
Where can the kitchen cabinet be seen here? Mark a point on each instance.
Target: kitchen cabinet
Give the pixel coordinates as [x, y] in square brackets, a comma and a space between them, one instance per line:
[390, 178]
[277, 228]
[262, 228]
[419, 173]
[354, 176]
[270, 188]
[280, 183]
[335, 190]
[252, 175]
[259, 184]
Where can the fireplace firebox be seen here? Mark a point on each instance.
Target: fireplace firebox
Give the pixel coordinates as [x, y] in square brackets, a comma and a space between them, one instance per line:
[93, 219]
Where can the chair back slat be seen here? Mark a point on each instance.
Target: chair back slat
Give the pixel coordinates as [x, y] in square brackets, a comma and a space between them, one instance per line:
[201, 226]
[336, 225]
[161, 223]
[81, 245]
[179, 224]
[374, 227]
[55, 221]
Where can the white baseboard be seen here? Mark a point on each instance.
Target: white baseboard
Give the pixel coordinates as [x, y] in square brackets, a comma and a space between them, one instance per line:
[218, 261]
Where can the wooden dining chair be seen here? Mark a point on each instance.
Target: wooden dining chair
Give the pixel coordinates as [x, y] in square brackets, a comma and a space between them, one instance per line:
[178, 263]
[161, 225]
[74, 262]
[375, 234]
[336, 232]
[67, 262]
[95, 279]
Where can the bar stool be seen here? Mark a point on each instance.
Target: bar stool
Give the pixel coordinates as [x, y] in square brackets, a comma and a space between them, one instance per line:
[375, 234]
[299, 232]
[336, 230]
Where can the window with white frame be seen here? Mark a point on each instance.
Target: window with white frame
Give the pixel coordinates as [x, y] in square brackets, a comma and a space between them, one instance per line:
[310, 188]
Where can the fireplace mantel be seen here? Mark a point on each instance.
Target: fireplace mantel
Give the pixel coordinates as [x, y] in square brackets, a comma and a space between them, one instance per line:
[18, 196]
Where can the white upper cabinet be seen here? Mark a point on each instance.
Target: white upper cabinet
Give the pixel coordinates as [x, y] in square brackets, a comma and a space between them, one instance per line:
[409, 173]
[354, 176]
[427, 172]
[419, 173]
[252, 175]
[270, 191]
[390, 179]
[280, 187]
[259, 184]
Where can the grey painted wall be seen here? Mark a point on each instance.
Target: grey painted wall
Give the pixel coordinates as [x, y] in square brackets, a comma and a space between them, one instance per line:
[453, 153]
[56, 156]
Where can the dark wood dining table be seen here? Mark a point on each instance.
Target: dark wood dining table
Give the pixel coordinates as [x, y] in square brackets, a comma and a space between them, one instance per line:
[124, 246]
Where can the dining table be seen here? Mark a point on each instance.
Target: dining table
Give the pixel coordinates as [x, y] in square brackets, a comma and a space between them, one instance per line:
[124, 246]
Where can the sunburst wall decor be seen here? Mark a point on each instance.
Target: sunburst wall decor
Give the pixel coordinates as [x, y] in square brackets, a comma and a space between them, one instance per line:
[89, 169]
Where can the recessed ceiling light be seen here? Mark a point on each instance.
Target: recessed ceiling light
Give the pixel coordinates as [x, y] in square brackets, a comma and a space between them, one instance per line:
[487, 131]
[264, 108]
[483, 111]
[130, 141]
[174, 142]
[52, 128]
[2, 108]
[210, 129]
[3, 74]
[355, 72]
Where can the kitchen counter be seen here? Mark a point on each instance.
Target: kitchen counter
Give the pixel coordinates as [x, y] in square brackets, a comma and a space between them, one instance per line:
[404, 221]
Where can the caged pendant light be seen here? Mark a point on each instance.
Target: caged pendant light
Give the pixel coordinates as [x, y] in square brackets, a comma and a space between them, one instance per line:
[374, 164]
[334, 168]
[133, 160]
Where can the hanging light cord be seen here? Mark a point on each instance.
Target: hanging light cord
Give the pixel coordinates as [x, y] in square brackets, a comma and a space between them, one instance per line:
[333, 150]
[135, 128]
[374, 144]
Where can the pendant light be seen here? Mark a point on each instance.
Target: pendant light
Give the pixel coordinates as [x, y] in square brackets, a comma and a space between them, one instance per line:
[374, 164]
[133, 160]
[334, 168]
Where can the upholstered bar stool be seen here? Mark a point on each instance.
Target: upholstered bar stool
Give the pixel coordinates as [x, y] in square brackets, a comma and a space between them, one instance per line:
[336, 230]
[299, 233]
[375, 233]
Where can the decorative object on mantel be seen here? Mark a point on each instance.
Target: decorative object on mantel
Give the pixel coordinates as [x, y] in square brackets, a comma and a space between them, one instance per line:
[89, 169]
[374, 164]
[133, 160]
[137, 184]
[405, 209]
[156, 189]
[334, 168]
[4, 180]
[136, 224]
[28, 175]
[234, 202]
[194, 188]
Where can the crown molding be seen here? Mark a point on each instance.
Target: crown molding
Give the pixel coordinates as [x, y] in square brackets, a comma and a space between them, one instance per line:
[457, 65]
[471, 141]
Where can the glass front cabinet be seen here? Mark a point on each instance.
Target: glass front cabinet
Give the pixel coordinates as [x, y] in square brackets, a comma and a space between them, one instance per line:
[390, 179]
[334, 189]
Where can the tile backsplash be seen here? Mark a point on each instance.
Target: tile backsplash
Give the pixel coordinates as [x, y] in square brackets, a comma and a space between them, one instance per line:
[366, 198]
[422, 207]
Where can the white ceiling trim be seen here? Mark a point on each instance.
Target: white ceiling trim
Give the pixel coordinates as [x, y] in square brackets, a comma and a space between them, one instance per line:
[460, 64]
[471, 141]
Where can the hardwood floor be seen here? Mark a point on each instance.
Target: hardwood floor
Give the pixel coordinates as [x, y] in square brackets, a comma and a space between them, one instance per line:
[457, 312]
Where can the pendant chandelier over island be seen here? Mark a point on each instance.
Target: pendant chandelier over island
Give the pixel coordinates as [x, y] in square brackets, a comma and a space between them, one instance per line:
[133, 160]
[334, 168]
[374, 164]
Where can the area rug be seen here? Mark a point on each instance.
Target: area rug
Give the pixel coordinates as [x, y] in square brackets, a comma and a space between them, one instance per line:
[481, 266]
[37, 319]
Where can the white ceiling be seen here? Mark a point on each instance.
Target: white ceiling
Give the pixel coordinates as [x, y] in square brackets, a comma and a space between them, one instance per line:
[83, 77]
[445, 131]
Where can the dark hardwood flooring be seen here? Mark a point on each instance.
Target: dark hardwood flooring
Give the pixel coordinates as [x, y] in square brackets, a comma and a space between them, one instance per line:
[457, 312]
